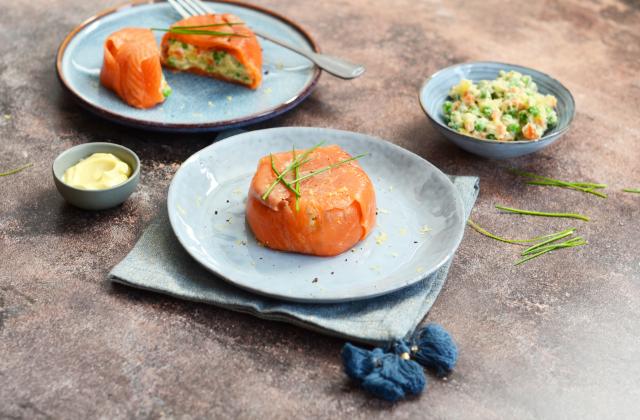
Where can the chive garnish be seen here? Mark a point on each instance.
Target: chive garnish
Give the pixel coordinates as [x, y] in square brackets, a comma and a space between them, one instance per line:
[537, 247]
[209, 26]
[184, 30]
[296, 163]
[543, 214]
[327, 168]
[284, 181]
[577, 241]
[484, 232]
[296, 174]
[586, 187]
[632, 190]
[541, 248]
[16, 170]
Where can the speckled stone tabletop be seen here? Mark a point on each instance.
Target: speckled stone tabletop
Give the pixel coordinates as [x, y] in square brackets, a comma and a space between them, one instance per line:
[558, 337]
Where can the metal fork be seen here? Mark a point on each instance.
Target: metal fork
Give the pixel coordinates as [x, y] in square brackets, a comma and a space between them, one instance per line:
[334, 65]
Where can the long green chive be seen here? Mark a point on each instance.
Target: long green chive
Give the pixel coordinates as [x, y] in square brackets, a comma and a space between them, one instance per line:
[296, 174]
[292, 165]
[586, 187]
[632, 190]
[327, 168]
[588, 190]
[484, 232]
[543, 214]
[16, 170]
[197, 32]
[577, 241]
[208, 26]
[567, 244]
[284, 181]
[540, 245]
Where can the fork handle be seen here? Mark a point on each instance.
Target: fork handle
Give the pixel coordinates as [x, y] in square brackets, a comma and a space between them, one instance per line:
[334, 65]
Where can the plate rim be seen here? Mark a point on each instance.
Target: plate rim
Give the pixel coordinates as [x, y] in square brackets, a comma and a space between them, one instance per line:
[184, 127]
[409, 282]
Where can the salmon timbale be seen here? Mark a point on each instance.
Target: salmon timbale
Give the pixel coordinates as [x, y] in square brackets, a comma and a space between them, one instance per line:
[234, 58]
[336, 208]
[131, 68]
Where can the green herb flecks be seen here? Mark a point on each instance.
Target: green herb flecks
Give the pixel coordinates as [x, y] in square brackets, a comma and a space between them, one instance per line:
[16, 170]
[586, 187]
[543, 214]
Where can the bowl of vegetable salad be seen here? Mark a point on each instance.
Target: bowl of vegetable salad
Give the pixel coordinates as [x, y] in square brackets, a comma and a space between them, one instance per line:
[497, 110]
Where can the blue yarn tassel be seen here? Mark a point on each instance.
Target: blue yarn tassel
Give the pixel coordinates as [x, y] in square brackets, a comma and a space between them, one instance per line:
[433, 348]
[386, 375]
[390, 374]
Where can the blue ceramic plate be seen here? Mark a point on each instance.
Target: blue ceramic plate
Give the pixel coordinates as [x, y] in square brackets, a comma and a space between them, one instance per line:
[197, 103]
[207, 201]
[436, 90]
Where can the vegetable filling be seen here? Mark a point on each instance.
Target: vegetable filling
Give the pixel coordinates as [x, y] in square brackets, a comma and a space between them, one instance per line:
[184, 56]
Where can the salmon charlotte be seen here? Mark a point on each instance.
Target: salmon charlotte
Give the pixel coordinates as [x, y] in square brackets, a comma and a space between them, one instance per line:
[131, 68]
[235, 58]
[335, 208]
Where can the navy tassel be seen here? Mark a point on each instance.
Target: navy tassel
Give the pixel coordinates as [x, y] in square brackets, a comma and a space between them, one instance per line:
[386, 375]
[390, 374]
[433, 348]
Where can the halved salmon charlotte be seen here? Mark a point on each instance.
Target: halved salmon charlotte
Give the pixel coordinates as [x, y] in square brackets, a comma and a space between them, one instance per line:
[236, 59]
[131, 68]
[336, 210]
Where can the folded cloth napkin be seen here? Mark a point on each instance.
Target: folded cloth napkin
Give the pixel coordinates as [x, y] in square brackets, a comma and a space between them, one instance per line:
[158, 263]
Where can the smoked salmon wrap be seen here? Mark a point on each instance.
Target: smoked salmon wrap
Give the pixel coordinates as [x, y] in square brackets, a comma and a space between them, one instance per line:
[132, 69]
[235, 58]
[336, 208]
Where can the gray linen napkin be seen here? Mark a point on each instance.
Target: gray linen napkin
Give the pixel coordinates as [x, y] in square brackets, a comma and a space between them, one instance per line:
[158, 263]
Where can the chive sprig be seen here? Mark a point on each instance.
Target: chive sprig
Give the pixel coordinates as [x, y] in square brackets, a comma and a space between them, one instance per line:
[295, 165]
[547, 242]
[16, 170]
[198, 30]
[543, 214]
[586, 187]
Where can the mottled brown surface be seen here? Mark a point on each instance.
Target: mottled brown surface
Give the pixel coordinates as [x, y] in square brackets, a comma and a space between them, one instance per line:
[556, 338]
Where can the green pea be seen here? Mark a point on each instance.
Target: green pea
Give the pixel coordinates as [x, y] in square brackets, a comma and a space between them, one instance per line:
[491, 136]
[523, 117]
[533, 110]
[480, 125]
[486, 111]
[513, 128]
[446, 107]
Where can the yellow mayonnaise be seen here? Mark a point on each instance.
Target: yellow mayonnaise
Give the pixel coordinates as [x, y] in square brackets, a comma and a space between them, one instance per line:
[97, 172]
